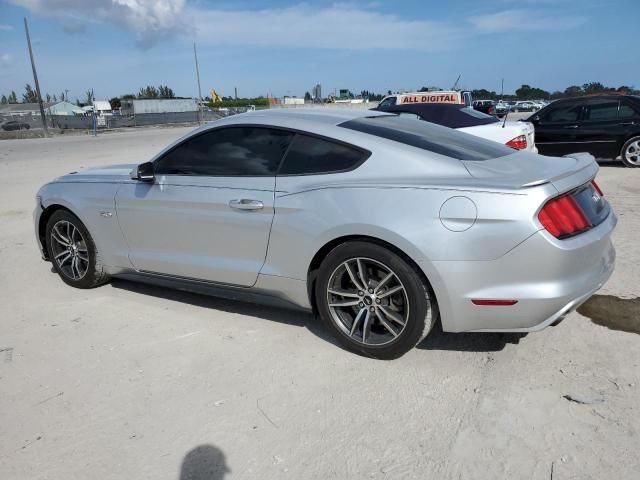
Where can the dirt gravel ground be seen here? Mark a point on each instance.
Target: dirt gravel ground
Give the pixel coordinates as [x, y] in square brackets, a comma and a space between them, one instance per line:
[130, 381]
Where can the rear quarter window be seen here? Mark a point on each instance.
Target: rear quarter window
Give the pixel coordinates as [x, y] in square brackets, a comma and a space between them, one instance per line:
[308, 155]
[429, 136]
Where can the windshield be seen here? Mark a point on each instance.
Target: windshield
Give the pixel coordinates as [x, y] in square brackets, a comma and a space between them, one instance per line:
[429, 136]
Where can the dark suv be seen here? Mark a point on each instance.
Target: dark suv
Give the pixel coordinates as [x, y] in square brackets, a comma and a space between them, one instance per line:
[607, 126]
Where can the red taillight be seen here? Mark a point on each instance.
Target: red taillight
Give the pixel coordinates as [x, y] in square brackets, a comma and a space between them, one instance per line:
[595, 185]
[490, 111]
[519, 143]
[563, 217]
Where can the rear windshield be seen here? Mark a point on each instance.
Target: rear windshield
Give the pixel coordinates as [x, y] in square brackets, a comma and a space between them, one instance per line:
[429, 136]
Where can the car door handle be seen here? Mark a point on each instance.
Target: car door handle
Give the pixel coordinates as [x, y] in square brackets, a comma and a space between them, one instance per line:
[627, 123]
[246, 204]
[571, 126]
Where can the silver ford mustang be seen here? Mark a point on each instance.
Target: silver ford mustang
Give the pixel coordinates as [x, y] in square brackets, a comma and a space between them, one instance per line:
[380, 224]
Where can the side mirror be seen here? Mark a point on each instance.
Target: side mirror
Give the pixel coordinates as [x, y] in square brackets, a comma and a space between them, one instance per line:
[535, 119]
[143, 172]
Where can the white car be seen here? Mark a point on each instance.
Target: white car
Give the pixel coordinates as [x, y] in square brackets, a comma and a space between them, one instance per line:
[518, 135]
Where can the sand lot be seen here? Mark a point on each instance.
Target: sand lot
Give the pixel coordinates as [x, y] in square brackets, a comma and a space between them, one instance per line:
[136, 382]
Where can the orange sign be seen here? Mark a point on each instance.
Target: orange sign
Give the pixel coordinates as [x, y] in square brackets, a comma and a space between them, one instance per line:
[432, 98]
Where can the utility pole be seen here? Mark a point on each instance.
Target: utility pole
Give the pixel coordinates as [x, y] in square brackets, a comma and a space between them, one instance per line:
[235, 89]
[35, 79]
[502, 90]
[195, 54]
[66, 95]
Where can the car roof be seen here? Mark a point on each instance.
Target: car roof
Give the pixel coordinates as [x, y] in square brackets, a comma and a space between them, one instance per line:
[609, 96]
[320, 115]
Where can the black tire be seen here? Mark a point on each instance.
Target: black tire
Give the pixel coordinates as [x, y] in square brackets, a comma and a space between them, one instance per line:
[422, 307]
[624, 154]
[93, 271]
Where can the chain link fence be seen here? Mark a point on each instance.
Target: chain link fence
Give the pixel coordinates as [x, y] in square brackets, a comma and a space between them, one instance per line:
[23, 124]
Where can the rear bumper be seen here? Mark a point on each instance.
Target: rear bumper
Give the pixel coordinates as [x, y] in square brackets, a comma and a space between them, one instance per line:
[548, 277]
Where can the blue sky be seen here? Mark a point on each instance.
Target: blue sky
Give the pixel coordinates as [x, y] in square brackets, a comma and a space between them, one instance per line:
[284, 47]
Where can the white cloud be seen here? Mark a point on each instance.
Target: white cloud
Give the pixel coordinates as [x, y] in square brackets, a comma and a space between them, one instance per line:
[342, 26]
[5, 59]
[336, 27]
[523, 20]
[148, 20]
[5, 28]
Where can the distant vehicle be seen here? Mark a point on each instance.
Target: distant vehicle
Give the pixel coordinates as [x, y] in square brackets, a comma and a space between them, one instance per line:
[607, 126]
[501, 109]
[485, 106]
[455, 97]
[524, 107]
[384, 226]
[517, 135]
[15, 125]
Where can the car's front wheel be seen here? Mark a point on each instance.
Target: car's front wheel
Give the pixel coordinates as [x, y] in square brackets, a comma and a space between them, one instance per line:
[630, 153]
[73, 252]
[373, 301]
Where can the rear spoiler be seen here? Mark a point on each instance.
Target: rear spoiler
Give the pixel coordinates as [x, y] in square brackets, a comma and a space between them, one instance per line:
[584, 172]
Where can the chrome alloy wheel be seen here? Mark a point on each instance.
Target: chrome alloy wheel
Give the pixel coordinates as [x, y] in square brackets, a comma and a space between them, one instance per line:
[367, 301]
[632, 153]
[69, 250]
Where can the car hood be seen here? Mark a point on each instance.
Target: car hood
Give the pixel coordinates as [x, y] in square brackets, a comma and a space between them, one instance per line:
[525, 169]
[111, 173]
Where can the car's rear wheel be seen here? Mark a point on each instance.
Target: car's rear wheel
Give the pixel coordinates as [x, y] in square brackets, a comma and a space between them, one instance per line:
[630, 153]
[373, 301]
[73, 252]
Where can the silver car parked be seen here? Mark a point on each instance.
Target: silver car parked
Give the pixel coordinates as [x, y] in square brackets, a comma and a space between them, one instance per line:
[382, 225]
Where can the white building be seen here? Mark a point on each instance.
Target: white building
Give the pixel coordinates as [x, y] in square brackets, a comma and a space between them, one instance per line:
[160, 105]
[64, 108]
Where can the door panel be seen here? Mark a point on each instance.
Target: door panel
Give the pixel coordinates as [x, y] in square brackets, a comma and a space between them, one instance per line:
[599, 130]
[185, 226]
[556, 129]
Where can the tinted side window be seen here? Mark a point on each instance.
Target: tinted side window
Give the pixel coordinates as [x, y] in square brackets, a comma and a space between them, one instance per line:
[233, 151]
[563, 113]
[626, 111]
[602, 110]
[310, 155]
[388, 102]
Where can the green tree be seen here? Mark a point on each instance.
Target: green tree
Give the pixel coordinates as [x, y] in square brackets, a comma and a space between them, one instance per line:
[29, 95]
[148, 92]
[4, 100]
[573, 91]
[55, 99]
[483, 94]
[165, 92]
[90, 97]
[115, 103]
[526, 92]
[48, 97]
[594, 87]
[307, 97]
[12, 97]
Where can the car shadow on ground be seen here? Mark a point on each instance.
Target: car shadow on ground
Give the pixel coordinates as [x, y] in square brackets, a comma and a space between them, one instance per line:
[468, 342]
[272, 313]
[437, 339]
